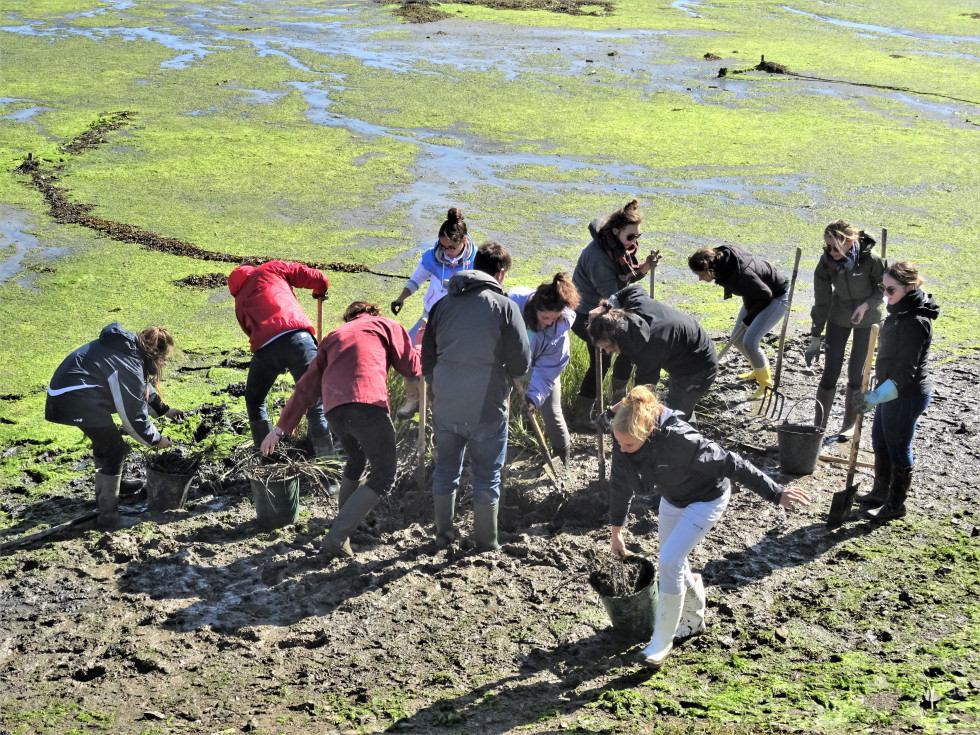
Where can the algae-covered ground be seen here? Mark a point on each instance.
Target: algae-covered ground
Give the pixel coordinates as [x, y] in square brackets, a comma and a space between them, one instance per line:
[145, 146]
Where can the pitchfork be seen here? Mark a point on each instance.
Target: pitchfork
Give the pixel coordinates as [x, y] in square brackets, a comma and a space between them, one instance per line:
[773, 402]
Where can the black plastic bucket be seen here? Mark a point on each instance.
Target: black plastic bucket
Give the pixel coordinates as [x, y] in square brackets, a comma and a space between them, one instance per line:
[633, 616]
[166, 492]
[276, 501]
[799, 445]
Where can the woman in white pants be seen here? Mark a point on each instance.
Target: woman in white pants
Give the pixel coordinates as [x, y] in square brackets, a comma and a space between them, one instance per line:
[656, 450]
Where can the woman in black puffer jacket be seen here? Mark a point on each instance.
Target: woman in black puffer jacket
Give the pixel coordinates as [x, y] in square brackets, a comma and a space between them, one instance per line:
[904, 388]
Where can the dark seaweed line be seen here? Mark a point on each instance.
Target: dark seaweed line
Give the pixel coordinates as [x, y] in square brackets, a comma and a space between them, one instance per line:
[64, 211]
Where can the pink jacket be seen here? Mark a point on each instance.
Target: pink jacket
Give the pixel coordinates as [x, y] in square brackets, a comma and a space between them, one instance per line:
[351, 366]
[264, 300]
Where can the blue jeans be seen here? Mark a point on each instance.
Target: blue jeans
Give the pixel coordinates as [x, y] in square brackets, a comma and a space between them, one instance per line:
[487, 443]
[293, 352]
[894, 428]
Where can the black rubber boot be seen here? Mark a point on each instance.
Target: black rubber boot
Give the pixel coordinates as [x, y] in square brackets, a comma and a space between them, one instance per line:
[445, 511]
[894, 507]
[878, 495]
[107, 499]
[351, 514]
[825, 397]
[583, 414]
[485, 526]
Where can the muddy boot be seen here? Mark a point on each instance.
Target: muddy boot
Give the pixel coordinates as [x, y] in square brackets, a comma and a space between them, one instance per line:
[127, 488]
[412, 395]
[565, 454]
[763, 376]
[825, 397]
[618, 390]
[445, 512]
[107, 499]
[583, 414]
[323, 445]
[260, 430]
[485, 526]
[692, 614]
[850, 415]
[355, 510]
[878, 495]
[660, 646]
[894, 507]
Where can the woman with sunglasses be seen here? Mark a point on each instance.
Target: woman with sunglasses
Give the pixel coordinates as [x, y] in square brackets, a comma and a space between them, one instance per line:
[847, 294]
[764, 291]
[606, 265]
[904, 389]
[452, 253]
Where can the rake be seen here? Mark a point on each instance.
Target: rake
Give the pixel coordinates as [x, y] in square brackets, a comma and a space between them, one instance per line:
[773, 402]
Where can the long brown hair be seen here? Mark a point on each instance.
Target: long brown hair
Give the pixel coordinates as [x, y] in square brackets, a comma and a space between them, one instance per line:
[628, 215]
[704, 260]
[157, 345]
[842, 234]
[557, 295]
[604, 325]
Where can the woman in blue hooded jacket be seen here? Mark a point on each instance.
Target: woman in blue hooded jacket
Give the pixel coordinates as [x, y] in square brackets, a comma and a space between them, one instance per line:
[549, 312]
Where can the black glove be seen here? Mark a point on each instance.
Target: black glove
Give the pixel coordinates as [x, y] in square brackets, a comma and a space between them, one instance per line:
[529, 405]
[396, 306]
[604, 420]
[319, 296]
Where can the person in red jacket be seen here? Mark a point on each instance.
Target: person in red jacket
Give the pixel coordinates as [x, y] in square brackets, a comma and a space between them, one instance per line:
[350, 374]
[281, 338]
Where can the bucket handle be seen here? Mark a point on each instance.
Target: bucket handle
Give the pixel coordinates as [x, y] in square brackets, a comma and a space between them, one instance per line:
[793, 408]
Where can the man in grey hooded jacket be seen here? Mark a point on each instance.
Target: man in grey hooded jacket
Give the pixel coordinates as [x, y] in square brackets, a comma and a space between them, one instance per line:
[475, 343]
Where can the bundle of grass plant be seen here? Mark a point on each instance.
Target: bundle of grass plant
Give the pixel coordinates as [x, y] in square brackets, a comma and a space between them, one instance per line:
[288, 462]
[619, 576]
[175, 461]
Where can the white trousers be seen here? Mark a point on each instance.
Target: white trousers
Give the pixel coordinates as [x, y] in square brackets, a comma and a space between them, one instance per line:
[681, 529]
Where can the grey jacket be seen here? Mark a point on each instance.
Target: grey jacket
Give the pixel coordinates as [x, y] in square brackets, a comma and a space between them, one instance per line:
[596, 276]
[104, 377]
[473, 345]
[683, 467]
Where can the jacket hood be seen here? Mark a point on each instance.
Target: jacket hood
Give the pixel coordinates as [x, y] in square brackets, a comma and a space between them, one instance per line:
[237, 278]
[917, 303]
[116, 338]
[594, 226]
[472, 281]
[865, 243]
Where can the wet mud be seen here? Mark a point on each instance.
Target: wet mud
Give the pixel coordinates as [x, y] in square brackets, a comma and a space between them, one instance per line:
[201, 619]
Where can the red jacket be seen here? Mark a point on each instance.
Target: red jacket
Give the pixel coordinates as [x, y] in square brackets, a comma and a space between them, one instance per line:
[351, 366]
[264, 300]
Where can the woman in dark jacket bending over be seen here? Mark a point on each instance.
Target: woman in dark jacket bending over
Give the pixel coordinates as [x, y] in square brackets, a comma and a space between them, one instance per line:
[904, 388]
[657, 338]
[119, 373]
[606, 265]
[764, 300]
[655, 450]
[847, 293]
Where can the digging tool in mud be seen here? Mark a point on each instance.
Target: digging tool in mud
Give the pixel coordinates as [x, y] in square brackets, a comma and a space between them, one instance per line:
[23, 540]
[772, 401]
[840, 506]
[423, 407]
[738, 333]
[653, 272]
[549, 464]
[600, 440]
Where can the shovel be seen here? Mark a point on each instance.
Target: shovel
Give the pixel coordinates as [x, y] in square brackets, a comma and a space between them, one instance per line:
[549, 464]
[773, 401]
[840, 506]
[319, 320]
[653, 271]
[423, 406]
[599, 438]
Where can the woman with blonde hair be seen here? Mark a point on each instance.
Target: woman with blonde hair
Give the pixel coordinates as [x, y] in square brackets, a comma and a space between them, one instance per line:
[904, 388]
[119, 373]
[847, 294]
[655, 451]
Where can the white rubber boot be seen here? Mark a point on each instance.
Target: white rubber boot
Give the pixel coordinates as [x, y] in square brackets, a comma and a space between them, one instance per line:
[660, 646]
[692, 614]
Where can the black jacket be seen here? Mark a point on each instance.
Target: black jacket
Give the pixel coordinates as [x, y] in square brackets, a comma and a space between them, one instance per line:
[683, 467]
[657, 337]
[474, 343]
[743, 274]
[903, 344]
[104, 377]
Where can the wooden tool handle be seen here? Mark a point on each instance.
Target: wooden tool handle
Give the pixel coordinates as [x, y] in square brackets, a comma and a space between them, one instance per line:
[865, 382]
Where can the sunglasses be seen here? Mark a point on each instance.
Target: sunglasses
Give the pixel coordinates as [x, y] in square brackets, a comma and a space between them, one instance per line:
[634, 238]
[891, 289]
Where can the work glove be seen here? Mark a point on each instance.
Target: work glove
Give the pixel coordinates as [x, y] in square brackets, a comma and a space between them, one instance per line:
[396, 306]
[176, 414]
[319, 296]
[604, 420]
[813, 351]
[885, 392]
[529, 405]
